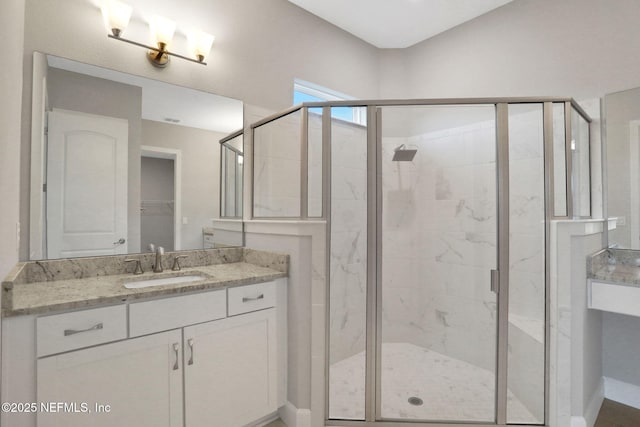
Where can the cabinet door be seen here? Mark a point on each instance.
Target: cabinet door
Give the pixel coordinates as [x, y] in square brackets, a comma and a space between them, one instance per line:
[231, 370]
[140, 379]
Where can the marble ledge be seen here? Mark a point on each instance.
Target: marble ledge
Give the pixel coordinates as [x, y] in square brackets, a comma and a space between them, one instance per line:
[72, 283]
[612, 265]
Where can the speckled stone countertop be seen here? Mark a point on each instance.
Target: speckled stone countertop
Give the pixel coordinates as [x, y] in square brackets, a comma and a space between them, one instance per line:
[615, 266]
[37, 287]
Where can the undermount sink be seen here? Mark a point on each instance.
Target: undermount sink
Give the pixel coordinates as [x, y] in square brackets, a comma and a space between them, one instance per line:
[170, 279]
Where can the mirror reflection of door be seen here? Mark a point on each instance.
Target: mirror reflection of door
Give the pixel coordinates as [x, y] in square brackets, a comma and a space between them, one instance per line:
[157, 210]
[86, 185]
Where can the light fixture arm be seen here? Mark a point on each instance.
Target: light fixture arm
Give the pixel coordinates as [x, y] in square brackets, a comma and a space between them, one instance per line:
[160, 50]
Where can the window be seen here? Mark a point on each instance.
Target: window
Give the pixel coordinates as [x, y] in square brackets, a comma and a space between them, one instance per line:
[309, 92]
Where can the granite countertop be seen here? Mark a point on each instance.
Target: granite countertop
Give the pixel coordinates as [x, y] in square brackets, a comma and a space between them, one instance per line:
[55, 285]
[612, 265]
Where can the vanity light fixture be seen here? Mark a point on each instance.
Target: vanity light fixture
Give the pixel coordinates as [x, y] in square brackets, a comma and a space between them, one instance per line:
[116, 16]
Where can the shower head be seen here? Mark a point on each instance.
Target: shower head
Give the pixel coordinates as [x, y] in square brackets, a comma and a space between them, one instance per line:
[401, 154]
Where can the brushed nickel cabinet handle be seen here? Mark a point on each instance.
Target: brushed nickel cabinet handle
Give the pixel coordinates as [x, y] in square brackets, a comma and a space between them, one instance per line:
[176, 349]
[247, 299]
[95, 327]
[190, 342]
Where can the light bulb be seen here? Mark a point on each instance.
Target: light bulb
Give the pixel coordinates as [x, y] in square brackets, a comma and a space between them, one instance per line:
[116, 16]
[162, 30]
[200, 43]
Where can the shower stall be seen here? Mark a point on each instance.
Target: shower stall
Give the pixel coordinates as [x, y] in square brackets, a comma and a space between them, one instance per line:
[438, 231]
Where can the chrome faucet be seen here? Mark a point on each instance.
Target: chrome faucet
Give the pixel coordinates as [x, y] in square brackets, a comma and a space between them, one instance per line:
[157, 267]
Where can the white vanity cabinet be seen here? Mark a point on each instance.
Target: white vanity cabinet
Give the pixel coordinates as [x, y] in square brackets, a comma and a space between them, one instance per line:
[231, 370]
[136, 382]
[183, 361]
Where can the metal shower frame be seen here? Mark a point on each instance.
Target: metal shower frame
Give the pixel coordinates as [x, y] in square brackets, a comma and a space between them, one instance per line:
[374, 230]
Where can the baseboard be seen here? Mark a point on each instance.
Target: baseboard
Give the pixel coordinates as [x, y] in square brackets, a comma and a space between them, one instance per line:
[621, 392]
[588, 418]
[594, 405]
[294, 417]
[578, 422]
[264, 420]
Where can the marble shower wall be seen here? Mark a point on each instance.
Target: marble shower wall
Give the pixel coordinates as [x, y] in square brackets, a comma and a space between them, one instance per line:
[348, 240]
[277, 158]
[439, 238]
[526, 355]
[439, 242]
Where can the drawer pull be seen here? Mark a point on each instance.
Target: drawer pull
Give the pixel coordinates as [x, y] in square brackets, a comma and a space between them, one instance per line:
[176, 348]
[247, 299]
[95, 327]
[190, 342]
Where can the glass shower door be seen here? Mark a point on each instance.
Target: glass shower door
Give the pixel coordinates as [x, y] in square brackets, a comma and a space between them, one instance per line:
[437, 328]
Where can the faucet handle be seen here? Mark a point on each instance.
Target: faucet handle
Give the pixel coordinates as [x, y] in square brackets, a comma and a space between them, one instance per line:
[176, 262]
[138, 269]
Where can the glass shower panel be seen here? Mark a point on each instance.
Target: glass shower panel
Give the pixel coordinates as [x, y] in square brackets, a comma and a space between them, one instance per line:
[559, 161]
[581, 165]
[526, 356]
[314, 162]
[348, 270]
[230, 173]
[439, 244]
[276, 167]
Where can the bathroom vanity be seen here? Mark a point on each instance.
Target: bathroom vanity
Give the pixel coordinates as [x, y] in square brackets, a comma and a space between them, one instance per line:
[614, 281]
[86, 350]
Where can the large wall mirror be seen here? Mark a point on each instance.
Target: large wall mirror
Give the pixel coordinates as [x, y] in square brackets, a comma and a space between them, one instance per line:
[119, 162]
[622, 115]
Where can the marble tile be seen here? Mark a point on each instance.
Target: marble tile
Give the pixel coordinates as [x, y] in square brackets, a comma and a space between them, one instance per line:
[269, 206]
[451, 390]
[349, 184]
[439, 238]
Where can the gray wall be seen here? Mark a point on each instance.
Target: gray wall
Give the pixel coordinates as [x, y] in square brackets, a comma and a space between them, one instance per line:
[11, 32]
[79, 92]
[157, 202]
[200, 173]
[621, 347]
[578, 48]
[621, 108]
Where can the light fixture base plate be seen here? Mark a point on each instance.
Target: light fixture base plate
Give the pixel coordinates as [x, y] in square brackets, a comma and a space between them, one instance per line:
[158, 59]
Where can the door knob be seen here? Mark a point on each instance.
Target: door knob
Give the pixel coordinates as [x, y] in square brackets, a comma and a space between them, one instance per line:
[120, 242]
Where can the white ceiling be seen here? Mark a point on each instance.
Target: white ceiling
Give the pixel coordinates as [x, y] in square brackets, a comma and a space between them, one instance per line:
[397, 23]
[162, 101]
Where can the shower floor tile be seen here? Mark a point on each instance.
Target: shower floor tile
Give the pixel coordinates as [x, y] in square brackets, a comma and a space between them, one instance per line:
[450, 389]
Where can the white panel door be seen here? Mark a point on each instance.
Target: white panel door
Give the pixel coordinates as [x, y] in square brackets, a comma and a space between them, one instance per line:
[86, 185]
[140, 379]
[231, 370]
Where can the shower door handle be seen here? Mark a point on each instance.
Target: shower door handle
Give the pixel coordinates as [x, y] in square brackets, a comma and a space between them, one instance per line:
[495, 281]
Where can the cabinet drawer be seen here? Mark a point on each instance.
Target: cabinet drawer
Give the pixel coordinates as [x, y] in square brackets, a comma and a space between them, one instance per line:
[175, 312]
[244, 299]
[69, 331]
[615, 298]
